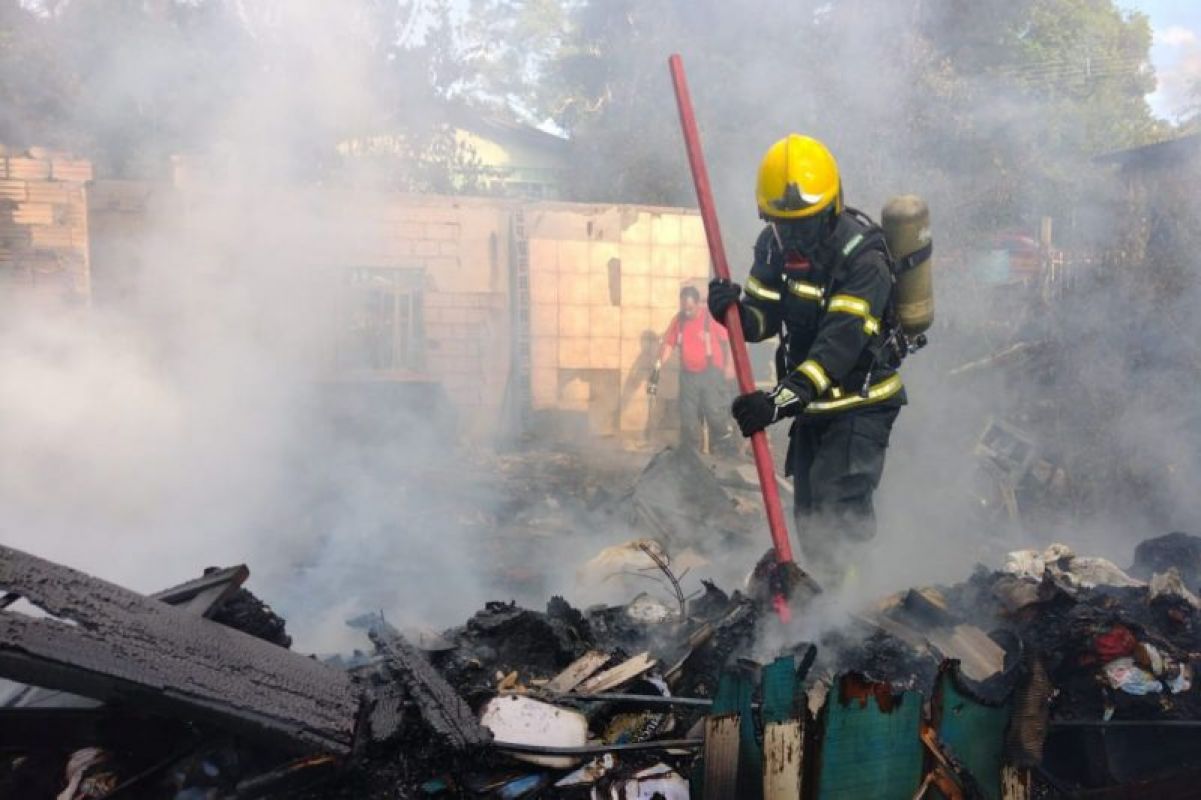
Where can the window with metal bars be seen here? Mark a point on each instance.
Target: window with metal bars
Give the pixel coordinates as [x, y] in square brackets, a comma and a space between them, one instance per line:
[382, 319]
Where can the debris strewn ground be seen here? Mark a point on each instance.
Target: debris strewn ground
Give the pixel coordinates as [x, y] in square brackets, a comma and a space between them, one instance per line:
[1053, 674]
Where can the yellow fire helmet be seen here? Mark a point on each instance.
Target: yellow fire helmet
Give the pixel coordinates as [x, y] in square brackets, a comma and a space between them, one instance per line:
[798, 178]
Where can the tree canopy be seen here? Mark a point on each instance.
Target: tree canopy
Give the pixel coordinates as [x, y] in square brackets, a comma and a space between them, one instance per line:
[999, 105]
[130, 83]
[992, 108]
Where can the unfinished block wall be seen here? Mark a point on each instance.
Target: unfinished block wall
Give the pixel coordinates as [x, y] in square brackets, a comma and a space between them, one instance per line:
[604, 286]
[43, 227]
[453, 251]
[462, 247]
[451, 254]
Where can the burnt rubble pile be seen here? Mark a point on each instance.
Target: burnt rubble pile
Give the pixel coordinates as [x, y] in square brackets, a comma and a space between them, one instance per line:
[1056, 675]
[557, 685]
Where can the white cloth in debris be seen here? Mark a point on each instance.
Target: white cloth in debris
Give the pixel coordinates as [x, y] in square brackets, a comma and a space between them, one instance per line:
[1025, 564]
[645, 608]
[77, 768]
[1058, 560]
[1123, 673]
[1170, 584]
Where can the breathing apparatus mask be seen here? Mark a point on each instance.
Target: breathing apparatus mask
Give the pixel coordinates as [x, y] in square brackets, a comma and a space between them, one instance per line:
[802, 236]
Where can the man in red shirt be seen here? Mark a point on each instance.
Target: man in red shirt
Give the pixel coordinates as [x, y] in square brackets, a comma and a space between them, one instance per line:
[705, 366]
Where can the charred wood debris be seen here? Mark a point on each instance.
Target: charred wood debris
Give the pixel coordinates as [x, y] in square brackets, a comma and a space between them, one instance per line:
[1055, 675]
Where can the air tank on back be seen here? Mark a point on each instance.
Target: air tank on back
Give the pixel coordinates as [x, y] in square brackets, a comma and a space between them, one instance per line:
[906, 223]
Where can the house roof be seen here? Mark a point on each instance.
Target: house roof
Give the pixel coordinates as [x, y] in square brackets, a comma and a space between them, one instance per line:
[502, 130]
[1159, 153]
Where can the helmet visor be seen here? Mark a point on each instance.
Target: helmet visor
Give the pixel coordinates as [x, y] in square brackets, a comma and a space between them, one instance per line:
[802, 236]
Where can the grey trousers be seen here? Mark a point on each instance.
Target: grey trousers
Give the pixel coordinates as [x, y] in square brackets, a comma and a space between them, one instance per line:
[703, 398]
[836, 463]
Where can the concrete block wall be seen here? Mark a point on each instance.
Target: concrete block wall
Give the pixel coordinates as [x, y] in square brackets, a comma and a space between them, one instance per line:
[604, 286]
[44, 227]
[462, 245]
[604, 283]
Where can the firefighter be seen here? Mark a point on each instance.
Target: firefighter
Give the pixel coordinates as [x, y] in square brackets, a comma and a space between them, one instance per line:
[822, 280]
[705, 370]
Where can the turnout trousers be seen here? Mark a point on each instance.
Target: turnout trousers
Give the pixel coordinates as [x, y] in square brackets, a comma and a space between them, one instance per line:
[836, 462]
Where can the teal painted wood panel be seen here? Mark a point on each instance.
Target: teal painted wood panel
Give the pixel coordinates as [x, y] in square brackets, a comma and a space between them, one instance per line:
[867, 753]
[973, 733]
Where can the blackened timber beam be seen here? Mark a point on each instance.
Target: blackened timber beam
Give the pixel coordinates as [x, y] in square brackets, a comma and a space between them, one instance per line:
[115, 645]
[204, 595]
[440, 705]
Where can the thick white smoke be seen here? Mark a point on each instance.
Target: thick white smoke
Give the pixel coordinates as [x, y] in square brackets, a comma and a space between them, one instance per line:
[144, 442]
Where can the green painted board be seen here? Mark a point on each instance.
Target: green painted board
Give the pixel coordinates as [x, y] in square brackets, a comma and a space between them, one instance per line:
[972, 732]
[867, 753]
[779, 690]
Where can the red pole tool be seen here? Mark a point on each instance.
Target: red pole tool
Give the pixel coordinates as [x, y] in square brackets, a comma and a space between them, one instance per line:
[742, 361]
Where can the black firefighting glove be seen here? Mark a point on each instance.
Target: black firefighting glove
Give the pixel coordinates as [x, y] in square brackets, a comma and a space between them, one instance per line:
[722, 293]
[755, 411]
